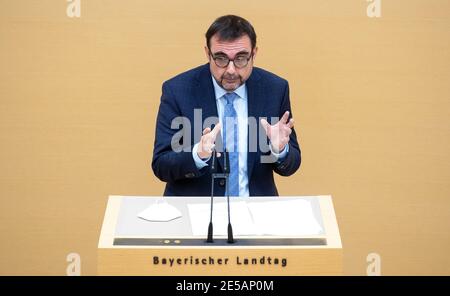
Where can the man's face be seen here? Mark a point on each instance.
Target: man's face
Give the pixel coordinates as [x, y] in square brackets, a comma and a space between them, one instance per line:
[231, 77]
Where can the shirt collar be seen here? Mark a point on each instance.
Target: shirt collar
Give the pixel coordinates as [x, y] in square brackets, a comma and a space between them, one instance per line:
[241, 91]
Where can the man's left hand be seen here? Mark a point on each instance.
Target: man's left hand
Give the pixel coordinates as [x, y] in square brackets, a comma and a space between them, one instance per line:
[278, 133]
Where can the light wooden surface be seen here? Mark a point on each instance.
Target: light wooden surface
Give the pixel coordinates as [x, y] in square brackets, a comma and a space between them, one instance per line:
[301, 260]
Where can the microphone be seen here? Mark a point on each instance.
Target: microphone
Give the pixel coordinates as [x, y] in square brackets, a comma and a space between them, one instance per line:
[226, 163]
[214, 162]
[213, 173]
[226, 168]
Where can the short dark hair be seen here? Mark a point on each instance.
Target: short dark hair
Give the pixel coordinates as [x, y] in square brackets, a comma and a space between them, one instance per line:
[229, 28]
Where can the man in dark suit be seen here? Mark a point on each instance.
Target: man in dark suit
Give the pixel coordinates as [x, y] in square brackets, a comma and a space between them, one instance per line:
[234, 94]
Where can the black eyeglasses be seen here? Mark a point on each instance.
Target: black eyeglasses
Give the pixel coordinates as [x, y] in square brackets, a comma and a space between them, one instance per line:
[240, 61]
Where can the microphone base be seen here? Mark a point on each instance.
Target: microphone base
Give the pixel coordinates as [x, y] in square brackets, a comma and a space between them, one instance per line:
[210, 233]
[230, 235]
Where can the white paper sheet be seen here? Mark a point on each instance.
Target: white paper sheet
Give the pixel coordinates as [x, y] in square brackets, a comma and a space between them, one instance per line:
[288, 218]
[240, 218]
[282, 218]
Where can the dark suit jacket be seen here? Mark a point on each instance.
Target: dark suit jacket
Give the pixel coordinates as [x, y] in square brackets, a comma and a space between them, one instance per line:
[268, 96]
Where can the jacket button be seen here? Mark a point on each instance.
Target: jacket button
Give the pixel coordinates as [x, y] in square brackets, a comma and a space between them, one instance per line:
[222, 182]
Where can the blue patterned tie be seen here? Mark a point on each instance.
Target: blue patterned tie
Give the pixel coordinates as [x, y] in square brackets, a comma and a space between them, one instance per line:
[230, 136]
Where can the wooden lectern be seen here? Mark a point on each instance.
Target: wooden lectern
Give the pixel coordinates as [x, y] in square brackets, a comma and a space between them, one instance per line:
[129, 245]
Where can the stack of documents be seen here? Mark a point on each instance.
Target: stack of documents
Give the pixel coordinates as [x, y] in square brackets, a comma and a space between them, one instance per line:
[281, 218]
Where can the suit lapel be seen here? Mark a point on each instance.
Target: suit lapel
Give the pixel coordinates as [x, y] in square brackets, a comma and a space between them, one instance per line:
[206, 99]
[255, 107]
[204, 94]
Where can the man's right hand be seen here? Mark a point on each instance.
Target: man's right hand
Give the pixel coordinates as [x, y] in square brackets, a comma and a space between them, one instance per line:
[207, 142]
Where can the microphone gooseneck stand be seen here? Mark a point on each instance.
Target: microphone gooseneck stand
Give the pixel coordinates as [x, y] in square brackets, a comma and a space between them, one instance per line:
[216, 175]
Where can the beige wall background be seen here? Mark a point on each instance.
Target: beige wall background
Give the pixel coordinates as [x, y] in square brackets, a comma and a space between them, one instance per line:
[371, 99]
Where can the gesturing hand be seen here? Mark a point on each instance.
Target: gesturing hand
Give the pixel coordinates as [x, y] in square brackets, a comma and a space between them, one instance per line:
[278, 133]
[207, 141]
